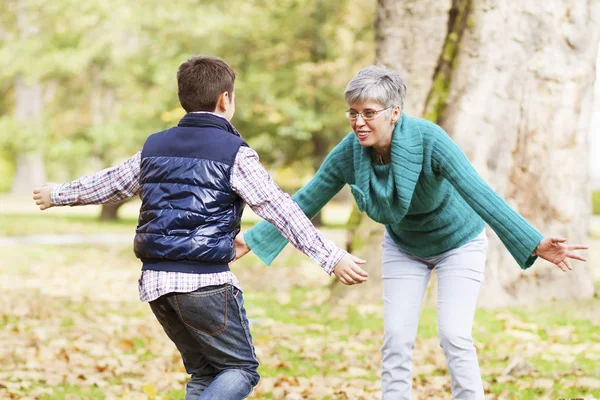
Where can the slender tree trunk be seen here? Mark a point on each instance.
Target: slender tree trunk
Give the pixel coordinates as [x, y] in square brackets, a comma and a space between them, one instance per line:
[363, 239]
[110, 212]
[511, 82]
[595, 136]
[318, 54]
[30, 159]
[101, 105]
[29, 169]
[320, 151]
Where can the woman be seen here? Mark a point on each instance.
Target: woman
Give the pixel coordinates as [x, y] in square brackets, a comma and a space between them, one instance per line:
[407, 174]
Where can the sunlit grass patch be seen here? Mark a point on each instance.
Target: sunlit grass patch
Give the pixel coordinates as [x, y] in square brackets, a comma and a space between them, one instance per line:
[47, 223]
[67, 392]
[596, 202]
[85, 220]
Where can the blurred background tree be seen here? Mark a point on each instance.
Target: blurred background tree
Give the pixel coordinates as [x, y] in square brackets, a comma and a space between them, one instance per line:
[92, 80]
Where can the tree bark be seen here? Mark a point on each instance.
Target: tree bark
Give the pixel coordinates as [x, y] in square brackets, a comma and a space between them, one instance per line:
[409, 35]
[516, 96]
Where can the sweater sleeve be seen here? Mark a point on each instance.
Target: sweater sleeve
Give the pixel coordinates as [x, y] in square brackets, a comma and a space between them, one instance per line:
[266, 241]
[517, 235]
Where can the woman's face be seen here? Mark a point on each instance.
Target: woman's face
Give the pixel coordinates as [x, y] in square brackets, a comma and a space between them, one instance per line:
[377, 129]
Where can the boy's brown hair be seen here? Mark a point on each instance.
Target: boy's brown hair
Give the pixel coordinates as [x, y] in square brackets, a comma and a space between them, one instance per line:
[201, 80]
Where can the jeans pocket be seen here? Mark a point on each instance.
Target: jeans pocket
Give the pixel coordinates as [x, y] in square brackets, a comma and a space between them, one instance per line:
[204, 311]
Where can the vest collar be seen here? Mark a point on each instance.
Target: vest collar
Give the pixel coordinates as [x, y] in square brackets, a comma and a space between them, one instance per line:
[201, 119]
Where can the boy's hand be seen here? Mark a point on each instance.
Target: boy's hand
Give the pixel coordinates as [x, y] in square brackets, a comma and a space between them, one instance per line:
[349, 272]
[41, 195]
[240, 246]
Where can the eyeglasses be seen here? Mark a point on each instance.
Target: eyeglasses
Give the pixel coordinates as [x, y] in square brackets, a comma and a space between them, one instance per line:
[367, 115]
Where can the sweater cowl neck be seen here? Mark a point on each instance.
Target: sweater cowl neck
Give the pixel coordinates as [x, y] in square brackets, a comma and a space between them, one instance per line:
[387, 199]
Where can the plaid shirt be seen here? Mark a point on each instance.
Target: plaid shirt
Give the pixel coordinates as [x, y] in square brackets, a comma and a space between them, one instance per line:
[249, 180]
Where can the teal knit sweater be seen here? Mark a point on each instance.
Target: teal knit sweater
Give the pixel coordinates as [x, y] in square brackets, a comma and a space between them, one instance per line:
[429, 197]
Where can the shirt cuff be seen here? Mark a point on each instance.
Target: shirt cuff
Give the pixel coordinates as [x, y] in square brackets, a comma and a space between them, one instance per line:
[336, 255]
[57, 196]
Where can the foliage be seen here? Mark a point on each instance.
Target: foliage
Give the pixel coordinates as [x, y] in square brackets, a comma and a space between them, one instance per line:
[293, 72]
[107, 72]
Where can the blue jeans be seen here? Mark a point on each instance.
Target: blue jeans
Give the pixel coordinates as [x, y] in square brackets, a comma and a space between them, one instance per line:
[211, 331]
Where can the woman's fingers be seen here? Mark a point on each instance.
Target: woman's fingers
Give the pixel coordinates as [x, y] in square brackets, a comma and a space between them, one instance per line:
[564, 265]
[576, 256]
[578, 247]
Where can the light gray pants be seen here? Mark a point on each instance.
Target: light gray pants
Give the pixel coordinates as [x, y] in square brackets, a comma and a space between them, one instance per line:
[405, 278]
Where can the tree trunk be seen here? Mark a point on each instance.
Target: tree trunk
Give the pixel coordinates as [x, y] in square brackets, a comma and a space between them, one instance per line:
[511, 82]
[409, 35]
[319, 153]
[101, 104]
[363, 240]
[29, 170]
[595, 138]
[109, 212]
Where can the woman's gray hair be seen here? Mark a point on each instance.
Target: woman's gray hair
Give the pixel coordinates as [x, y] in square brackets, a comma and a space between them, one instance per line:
[376, 84]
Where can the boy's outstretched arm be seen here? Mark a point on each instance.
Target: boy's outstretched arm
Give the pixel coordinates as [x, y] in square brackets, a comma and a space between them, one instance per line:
[347, 270]
[252, 182]
[107, 186]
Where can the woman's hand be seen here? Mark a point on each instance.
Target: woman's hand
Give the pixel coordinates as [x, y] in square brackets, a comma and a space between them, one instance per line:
[557, 251]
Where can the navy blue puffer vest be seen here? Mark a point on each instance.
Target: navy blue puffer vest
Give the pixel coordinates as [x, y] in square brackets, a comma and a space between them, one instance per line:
[190, 214]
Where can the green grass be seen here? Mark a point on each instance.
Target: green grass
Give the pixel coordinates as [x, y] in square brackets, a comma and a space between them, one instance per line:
[67, 392]
[47, 224]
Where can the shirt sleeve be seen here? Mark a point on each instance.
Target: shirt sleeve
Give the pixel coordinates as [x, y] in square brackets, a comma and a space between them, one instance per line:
[519, 237]
[266, 241]
[252, 182]
[107, 186]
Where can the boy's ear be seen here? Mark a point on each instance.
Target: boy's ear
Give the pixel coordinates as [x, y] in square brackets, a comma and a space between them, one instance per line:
[223, 102]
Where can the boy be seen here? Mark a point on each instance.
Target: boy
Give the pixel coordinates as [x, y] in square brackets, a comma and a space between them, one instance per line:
[193, 180]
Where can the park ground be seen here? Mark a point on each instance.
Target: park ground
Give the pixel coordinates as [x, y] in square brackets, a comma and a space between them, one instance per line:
[72, 327]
